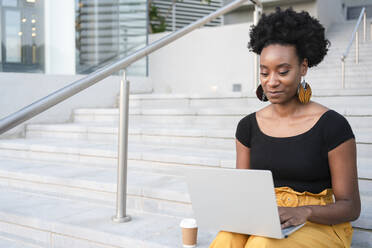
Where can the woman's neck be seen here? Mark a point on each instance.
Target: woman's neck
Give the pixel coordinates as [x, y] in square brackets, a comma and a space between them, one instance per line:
[286, 110]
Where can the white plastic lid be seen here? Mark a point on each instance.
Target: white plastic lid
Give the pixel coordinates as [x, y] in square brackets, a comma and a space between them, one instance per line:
[188, 223]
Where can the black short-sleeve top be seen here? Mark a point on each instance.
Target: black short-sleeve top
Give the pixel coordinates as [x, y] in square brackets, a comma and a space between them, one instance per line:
[301, 161]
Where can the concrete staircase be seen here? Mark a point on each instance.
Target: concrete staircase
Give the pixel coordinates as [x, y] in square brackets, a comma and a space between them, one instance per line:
[327, 74]
[58, 183]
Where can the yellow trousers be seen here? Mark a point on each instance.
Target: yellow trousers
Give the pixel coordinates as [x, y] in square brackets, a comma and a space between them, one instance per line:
[311, 235]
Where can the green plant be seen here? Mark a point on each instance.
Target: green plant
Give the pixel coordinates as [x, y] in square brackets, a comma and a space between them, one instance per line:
[158, 22]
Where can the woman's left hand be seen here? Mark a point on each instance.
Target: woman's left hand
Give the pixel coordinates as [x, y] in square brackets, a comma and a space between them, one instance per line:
[293, 216]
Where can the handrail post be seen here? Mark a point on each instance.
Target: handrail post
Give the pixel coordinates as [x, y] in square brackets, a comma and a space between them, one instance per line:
[357, 47]
[364, 26]
[355, 35]
[256, 16]
[343, 71]
[121, 194]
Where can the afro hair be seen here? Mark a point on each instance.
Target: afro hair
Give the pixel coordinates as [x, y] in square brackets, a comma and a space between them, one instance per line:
[291, 28]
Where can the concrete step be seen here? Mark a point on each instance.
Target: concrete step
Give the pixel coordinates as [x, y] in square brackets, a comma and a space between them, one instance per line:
[212, 118]
[338, 48]
[340, 45]
[333, 68]
[319, 81]
[365, 219]
[335, 81]
[364, 168]
[55, 222]
[238, 99]
[362, 238]
[354, 108]
[164, 117]
[332, 61]
[364, 150]
[152, 188]
[79, 217]
[235, 102]
[343, 34]
[30, 221]
[333, 65]
[246, 102]
[357, 77]
[105, 153]
[346, 28]
[15, 242]
[323, 83]
[182, 136]
[148, 190]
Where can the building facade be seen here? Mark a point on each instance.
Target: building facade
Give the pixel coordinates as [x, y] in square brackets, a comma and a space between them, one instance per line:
[79, 36]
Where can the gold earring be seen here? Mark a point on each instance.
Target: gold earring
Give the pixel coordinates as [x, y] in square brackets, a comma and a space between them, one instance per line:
[304, 92]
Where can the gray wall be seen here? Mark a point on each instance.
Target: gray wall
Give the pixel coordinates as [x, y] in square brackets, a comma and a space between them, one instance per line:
[208, 60]
[18, 90]
[329, 12]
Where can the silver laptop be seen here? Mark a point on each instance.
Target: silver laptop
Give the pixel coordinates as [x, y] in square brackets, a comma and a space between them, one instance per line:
[241, 201]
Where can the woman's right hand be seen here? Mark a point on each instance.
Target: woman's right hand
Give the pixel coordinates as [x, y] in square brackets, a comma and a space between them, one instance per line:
[294, 216]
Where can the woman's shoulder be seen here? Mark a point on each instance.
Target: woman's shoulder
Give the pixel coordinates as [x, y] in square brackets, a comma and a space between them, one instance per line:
[264, 111]
[316, 111]
[326, 113]
[335, 128]
[244, 129]
[317, 107]
[249, 117]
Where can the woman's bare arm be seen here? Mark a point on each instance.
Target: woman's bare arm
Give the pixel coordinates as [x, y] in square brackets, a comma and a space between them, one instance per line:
[342, 163]
[242, 156]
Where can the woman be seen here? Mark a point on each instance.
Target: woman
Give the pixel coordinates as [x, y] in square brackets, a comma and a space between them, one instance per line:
[310, 149]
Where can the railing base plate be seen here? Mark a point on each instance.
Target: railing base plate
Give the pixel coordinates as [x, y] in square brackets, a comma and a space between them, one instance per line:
[121, 219]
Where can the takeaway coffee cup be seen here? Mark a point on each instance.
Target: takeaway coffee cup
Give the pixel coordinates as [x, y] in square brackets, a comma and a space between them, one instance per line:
[189, 232]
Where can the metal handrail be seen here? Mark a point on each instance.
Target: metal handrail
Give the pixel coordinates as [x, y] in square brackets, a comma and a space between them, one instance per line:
[355, 35]
[91, 79]
[256, 16]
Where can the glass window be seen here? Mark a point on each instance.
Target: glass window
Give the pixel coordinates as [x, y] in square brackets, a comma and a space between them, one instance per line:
[22, 36]
[13, 36]
[10, 3]
[110, 30]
